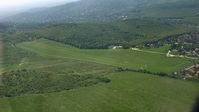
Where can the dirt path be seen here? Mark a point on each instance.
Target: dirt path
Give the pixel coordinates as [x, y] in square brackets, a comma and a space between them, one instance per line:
[22, 62]
[172, 55]
[148, 51]
[50, 65]
[167, 54]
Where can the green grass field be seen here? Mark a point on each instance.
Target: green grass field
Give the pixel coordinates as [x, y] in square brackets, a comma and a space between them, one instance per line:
[61, 66]
[119, 58]
[127, 92]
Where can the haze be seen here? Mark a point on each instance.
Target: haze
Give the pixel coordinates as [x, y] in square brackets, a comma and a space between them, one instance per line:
[9, 7]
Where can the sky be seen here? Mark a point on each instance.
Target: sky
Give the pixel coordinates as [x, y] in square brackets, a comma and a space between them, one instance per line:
[8, 7]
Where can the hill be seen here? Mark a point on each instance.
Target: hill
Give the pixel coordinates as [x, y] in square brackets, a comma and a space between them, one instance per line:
[176, 12]
[99, 36]
[86, 11]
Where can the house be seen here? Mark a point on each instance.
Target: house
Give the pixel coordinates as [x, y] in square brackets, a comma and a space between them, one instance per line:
[136, 49]
[174, 50]
[188, 75]
[115, 47]
[176, 43]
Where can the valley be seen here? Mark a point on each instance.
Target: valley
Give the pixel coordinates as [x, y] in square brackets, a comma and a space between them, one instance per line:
[53, 57]
[101, 56]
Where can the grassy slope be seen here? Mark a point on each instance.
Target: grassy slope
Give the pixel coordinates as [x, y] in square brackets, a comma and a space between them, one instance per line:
[124, 58]
[128, 92]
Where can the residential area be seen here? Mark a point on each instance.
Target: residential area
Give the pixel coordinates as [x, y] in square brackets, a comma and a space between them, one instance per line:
[190, 72]
[186, 44]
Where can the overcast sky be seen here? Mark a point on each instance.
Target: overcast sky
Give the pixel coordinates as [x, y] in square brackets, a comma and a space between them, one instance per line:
[14, 6]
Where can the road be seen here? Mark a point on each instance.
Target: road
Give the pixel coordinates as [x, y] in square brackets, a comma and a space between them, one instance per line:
[136, 49]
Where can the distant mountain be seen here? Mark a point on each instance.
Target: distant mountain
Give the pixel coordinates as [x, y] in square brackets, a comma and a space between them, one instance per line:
[179, 12]
[87, 11]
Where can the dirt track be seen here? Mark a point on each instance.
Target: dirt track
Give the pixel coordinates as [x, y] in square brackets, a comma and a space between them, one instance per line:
[149, 51]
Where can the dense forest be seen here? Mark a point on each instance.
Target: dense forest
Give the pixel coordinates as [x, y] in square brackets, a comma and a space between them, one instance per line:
[100, 36]
[182, 12]
[21, 82]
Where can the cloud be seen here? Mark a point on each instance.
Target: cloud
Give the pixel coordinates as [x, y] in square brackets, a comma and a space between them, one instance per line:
[8, 7]
[17, 3]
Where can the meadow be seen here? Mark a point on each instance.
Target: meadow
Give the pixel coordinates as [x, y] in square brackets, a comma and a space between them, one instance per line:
[127, 92]
[53, 65]
[120, 58]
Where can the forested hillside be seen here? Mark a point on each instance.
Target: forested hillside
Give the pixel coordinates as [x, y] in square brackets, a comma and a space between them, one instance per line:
[100, 36]
[87, 11]
[177, 12]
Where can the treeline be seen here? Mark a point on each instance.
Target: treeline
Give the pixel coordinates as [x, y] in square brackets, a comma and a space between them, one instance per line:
[21, 82]
[101, 36]
[12, 28]
[162, 74]
[120, 69]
